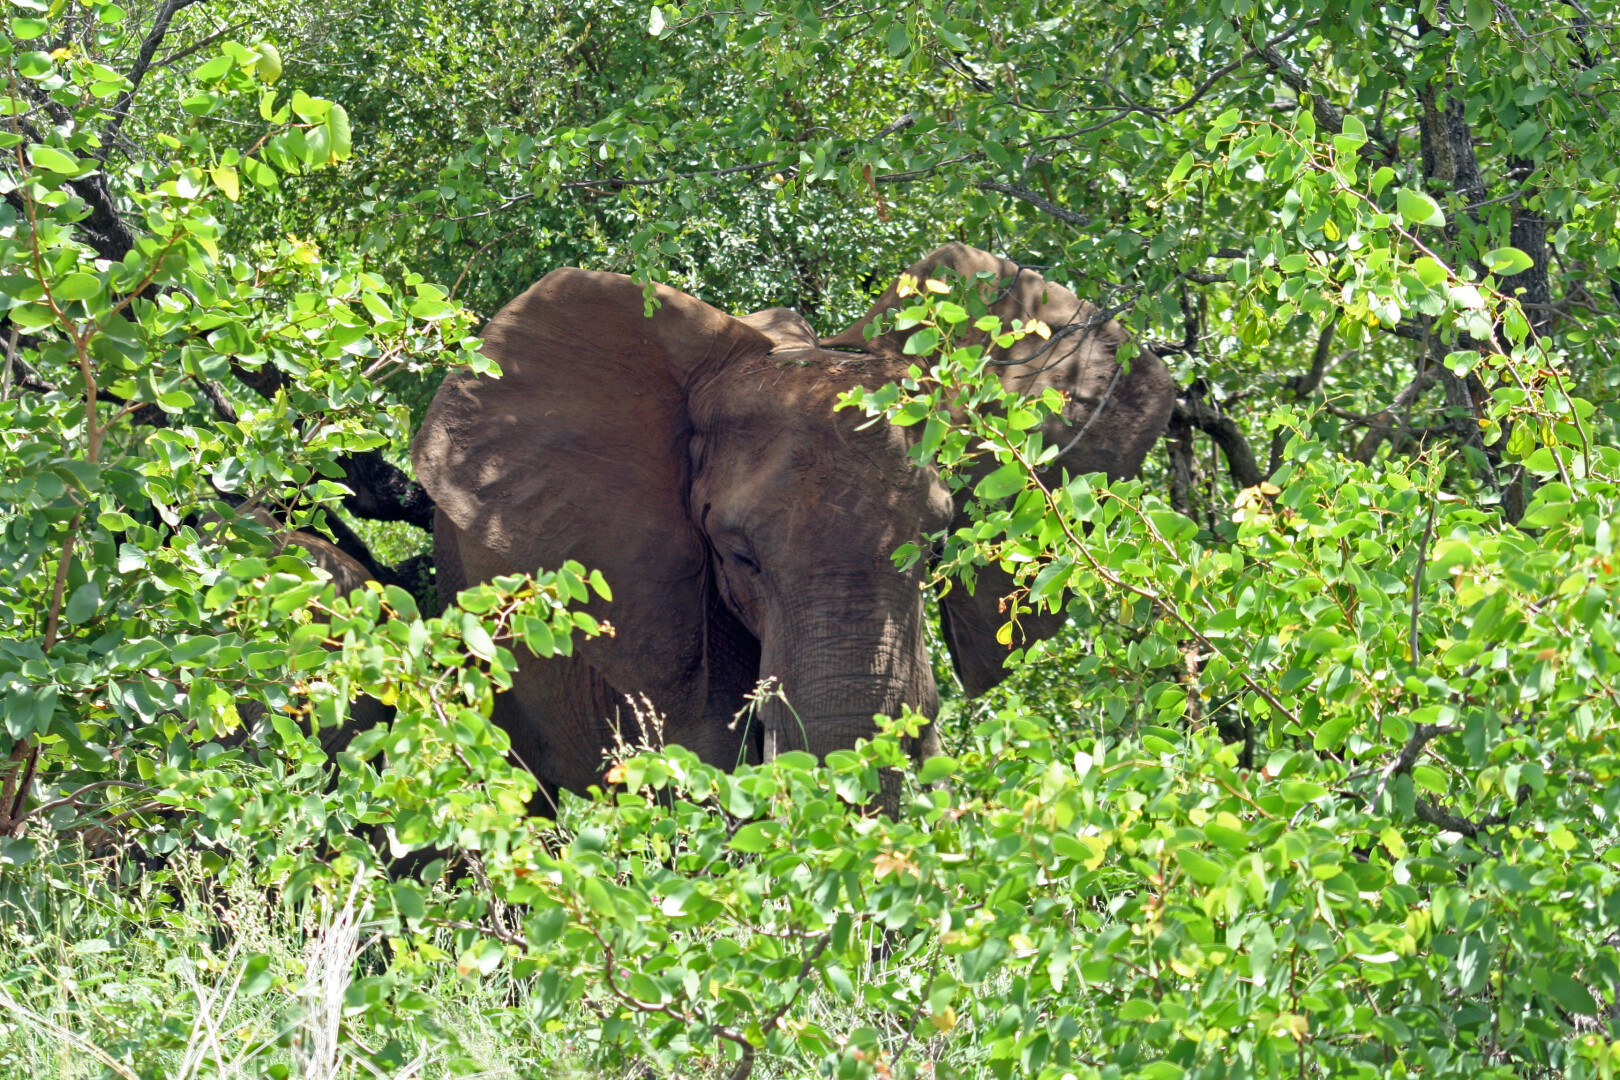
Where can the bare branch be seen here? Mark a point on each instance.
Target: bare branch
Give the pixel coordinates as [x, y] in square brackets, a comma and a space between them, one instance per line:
[192, 50]
[1194, 410]
[143, 63]
[1385, 424]
[1044, 205]
[1422, 734]
[1417, 576]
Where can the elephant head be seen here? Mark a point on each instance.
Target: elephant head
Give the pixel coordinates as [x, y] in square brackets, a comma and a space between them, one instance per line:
[745, 527]
[1112, 418]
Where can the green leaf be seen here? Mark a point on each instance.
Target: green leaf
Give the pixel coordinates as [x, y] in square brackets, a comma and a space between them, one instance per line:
[537, 636]
[1174, 527]
[402, 602]
[339, 135]
[1161, 1070]
[83, 603]
[312, 110]
[922, 342]
[1481, 13]
[1429, 778]
[1203, 870]
[1331, 735]
[256, 976]
[34, 65]
[1473, 964]
[898, 41]
[28, 29]
[476, 637]
[193, 650]
[17, 851]
[1183, 167]
[1353, 135]
[1527, 136]
[214, 70]
[1429, 271]
[1506, 261]
[48, 157]
[1572, 996]
[1417, 208]
[936, 768]
[977, 964]
[408, 901]
[599, 583]
[76, 287]
[377, 306]
[756, 837]
[655, 21]
[1001, 483]
[225, 178]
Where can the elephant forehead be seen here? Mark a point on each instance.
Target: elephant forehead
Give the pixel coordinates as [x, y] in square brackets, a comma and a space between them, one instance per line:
[770, 431]
[795, 382]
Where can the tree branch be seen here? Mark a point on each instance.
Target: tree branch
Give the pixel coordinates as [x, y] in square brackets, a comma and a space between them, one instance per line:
[192, 50]
[143, 63]
[1383, 424]
[1044, 205]
[1194, 410]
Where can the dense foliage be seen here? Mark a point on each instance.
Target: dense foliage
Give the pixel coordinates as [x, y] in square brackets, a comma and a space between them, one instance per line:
[1320, 780]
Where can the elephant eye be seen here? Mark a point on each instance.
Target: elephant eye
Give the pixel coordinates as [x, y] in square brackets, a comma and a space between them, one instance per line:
[744, 556]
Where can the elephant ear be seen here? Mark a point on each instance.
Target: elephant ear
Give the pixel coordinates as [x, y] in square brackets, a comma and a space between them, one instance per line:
[1112, 419]
[579, 451]
[1078, 358]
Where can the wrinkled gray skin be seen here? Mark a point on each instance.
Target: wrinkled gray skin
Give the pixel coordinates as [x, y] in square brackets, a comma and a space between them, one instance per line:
[745, 527]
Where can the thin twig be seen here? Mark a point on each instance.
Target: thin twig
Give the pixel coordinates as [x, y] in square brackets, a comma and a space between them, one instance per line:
[1417, 576]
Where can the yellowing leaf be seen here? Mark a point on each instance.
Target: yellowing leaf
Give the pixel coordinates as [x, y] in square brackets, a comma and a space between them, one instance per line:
[269, 67]
[226, 180]
[937, 286]
[888, 862]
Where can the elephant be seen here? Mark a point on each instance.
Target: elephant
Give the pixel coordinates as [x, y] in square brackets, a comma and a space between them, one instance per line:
[745, 526]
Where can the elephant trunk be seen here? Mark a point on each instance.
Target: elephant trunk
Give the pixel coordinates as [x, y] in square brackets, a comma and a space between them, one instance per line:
[838, 669]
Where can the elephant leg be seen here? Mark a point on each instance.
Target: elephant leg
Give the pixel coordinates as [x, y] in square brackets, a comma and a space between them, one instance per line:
[448, 577]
